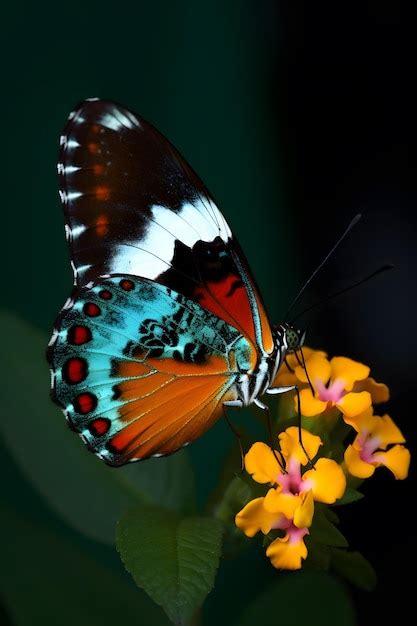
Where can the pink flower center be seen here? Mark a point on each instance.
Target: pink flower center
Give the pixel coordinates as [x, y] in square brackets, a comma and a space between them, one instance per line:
[333, 393]
[292, 482]
[368, 447]
[295, 534]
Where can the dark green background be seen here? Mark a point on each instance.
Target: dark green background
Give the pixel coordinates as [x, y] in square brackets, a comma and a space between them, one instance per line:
[266, 101]
[196, 70]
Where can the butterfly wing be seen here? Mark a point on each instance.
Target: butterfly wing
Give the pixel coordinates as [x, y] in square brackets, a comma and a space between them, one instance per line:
[134, 206]
[139, 369]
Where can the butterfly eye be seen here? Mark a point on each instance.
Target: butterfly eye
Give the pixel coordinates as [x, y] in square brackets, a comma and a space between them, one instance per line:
[294, 338]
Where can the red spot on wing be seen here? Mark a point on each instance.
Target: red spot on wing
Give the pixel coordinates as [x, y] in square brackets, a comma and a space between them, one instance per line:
[105, 294]
[91, 309]
[102, 193]
[98, 169]
[85, 403]
[102, 225]
[99, 426]
[126, 284]
[75, 370]
[93, 148]
[77, 335]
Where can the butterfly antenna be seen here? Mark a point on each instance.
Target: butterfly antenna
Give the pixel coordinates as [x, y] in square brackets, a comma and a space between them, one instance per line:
[380, 270]
[326, 258]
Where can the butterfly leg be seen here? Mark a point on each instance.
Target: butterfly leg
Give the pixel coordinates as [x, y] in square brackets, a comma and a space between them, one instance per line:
[302, 363]
[277, 390]
[288, 366]
[280, 460]
[236, 404]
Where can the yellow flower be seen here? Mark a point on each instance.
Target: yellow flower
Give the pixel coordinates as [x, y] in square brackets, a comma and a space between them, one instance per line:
[289, 503]
[286, 376]
[288, 552]
[341, 383]
[370, 447]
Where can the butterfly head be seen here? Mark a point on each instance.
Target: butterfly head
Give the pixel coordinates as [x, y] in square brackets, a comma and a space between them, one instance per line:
[291, 336]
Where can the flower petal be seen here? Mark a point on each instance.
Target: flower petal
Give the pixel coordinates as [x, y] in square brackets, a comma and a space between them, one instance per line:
[290, 444]
[355, 465]
[261, 463]
[354, 403]
[348, 370]
[363, 422]
[318, 368]
[397, 459]
[387, 431]
[284, 378]
[326, 480]
[303, 516]
[309, 352]
[286, 554]
[285, 503]
[254, 517]
[286, 374]
[309, 405]
[379, 392]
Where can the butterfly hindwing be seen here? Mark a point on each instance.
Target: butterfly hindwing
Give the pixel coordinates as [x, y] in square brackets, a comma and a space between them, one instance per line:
[139, 369]
[134, 206]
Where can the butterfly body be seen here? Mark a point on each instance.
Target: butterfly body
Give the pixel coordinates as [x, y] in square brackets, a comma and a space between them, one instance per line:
[165, 325]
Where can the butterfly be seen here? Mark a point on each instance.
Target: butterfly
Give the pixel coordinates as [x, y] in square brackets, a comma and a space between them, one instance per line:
[165, 326]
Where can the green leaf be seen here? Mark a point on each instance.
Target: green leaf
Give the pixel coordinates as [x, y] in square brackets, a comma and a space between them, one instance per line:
[304, 598]
[46, 578]
[330, 513]
[324, 531]
[355, 568]
[167, 482]
[230, 468]
[350, 495]
[90, 496]
[236, 495]
[174, 559]
[319, 554]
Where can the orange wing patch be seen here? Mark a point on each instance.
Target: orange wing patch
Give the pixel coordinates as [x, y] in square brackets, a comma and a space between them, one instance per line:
[164, 412]
[167, 404]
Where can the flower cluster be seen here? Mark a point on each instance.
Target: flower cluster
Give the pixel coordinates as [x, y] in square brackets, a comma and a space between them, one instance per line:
[289, 503]
[297, 474]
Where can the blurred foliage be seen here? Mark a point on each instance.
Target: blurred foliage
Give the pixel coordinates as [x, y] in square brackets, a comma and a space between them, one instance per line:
[300, 598]
[47, 579]
[171, 553]
[89, 495]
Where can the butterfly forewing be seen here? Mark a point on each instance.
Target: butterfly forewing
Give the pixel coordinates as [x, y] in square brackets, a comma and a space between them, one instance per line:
[134, 206]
